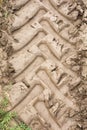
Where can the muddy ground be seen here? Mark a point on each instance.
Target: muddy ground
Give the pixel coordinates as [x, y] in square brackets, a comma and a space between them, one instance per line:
[5, 42]
[43, 55]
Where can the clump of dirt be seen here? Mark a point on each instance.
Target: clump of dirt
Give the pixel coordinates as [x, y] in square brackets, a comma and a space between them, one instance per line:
[5, 41]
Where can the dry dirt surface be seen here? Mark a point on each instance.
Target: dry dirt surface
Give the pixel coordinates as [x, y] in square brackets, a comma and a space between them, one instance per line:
[49, 41]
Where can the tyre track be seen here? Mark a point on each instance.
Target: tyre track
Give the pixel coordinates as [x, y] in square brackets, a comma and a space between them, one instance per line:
[44, 69]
